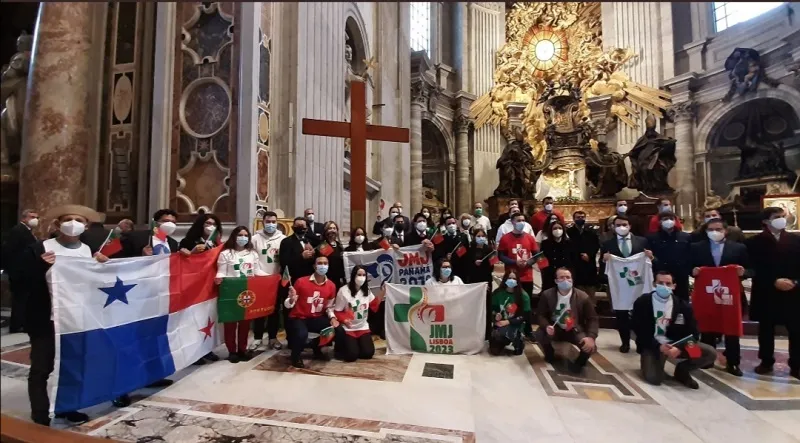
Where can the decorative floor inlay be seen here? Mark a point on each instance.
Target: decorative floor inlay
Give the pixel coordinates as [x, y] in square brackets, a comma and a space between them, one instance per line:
[13, 370]
[15, 361]
[381, 367]
[777, 391]
[177, 420]
[600, 380]
[438, 370]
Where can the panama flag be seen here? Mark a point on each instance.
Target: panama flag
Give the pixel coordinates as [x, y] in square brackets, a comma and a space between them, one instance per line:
[126, 323]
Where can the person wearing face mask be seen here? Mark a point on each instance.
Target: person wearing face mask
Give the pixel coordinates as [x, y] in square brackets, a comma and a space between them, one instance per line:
[775, 298]
[267, 243]
[353, 303]
[567, 314]
[655, 223]
[660, 319]
[733, 233]
[204, 234]
[390, 222]
[420, 234]
[311, 300]
[513, 206]
[444, 214]
[508, 226]
[19, 238]
[479, 267]
[449, 248]
[623, 244]
[388, 237]
[481, 220]
[426, 212]
[35, 263]
[516, 250]
[508, 315]
[465, 225]
[586, 244]
[140, 243]
[316, 230]
[560, 253]
[443, 274]
[335, 261]
[358, 241]
[540, 218]
[672, 252]
[238, 259]
[296, 251]
[716, 251]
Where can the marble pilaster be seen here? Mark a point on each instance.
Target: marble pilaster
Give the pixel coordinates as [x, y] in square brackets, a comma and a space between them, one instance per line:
[57, 131]
[683, 115]
[419, 101]
[463, 191]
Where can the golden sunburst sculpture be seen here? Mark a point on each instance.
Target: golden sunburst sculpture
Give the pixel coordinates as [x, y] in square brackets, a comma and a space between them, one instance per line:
[560, 43]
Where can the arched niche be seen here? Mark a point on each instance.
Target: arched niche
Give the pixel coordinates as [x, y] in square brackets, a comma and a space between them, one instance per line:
[437, 167]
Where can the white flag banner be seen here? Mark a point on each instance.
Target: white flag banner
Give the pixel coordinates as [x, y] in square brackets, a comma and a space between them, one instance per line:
[445, 319]
[408, 265]
[628, 279]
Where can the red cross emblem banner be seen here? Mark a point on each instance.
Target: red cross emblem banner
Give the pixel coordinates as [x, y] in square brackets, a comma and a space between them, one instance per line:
[717, 302]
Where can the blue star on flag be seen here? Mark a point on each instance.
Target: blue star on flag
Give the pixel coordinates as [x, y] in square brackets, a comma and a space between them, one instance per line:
[117, 292]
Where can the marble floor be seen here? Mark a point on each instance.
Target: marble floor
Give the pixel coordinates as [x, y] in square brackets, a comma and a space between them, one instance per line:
[439, 398]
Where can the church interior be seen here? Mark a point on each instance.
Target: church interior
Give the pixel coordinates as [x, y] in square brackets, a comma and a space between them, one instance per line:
[210, 107]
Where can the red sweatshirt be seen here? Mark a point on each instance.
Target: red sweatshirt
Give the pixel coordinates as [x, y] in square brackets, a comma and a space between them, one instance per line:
[313, 300]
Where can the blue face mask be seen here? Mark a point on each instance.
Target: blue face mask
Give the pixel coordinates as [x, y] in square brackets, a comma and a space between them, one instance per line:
[511, 283]
[322, 269]
[480, 241]
[564, 285]
[446, 272]
[270, 228]
[242, 240]
[519, 226]
[663, 292]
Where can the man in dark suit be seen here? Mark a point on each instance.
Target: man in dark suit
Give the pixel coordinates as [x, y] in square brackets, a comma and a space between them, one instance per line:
[95, 234]
[139, 243]
[18, 239]
[715, 251]
[316, 230]
[623, 244]
[296, 251]
[587, 243]
[671, 248]
[389, 222]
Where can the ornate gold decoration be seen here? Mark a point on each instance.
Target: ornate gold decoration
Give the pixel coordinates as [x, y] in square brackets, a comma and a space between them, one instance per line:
[578, 59]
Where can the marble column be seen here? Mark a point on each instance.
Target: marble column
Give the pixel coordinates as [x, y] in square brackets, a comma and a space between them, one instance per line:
[54, 166]
[463, 190]
[683, 115]
[419, 101]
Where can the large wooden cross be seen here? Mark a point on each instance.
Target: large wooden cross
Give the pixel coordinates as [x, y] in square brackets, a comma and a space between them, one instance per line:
[358, 131]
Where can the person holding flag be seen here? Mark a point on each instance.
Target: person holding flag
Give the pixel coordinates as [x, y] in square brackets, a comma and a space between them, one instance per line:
[479, 261]
[389, 237]
[666, 330]
[715, 252]
[204, 234]
[267, 243]
[420, 234]
[331, 247]
[358, 241]
[516, 249]
[155, 241]
[452, 245]
[353, 303]
[560, 252]
[567, 314]
[509, 312]
[311, 301]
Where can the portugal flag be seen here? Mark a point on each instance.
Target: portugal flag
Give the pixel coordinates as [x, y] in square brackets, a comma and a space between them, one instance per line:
[716, 300]
[246, 298]
[325, 249]
[112, 245]
[326, 336]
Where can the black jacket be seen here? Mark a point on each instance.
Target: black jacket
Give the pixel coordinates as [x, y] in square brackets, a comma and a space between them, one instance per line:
[638, 244]
[353, 247]
[38, 303]
[671, 251]
[414, 238]
[771, 260]
[482, 273]
[18, 239]
[732, 254]
[316, 230]
[559, 254]
[643, 323]
[291, 256]
[377, 228]
[94, 236]
[585, 241]
[134, 242]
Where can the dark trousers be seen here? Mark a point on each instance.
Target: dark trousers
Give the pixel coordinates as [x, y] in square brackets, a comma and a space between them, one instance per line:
[271, 323]
[18, 300]
[624, 326]
[733, 351]
[546, 342]
[351, 348]
[504, 336]
[236, 336]
[766, 343]
[43, 359]
[652, 363]
[377, 321]
[297, 330]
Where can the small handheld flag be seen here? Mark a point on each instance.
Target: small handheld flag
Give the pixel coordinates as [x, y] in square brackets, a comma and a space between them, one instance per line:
[325, 249]
[286, 279]
[684, 339]
[213, 238]
[384, 244]
[489, 255]
[461, 251]
[157, 233]
[458, 245]
[493, 260]
[692, 349]
[112, 245]
[326, 336]
[540, 260]
[437, 237]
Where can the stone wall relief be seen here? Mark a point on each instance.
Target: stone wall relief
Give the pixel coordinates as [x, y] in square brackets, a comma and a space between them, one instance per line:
[14, 90]
[263, 107]
[204, 150]
[746, 72]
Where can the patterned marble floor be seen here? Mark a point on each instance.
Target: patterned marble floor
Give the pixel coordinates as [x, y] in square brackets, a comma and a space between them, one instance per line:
[436, 398]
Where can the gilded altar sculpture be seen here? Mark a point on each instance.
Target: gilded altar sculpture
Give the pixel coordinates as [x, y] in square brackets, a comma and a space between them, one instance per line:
[550, 43]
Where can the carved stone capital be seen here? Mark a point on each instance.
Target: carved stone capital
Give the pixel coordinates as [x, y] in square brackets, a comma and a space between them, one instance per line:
[420, 93]
[461, 124]
[682, 112]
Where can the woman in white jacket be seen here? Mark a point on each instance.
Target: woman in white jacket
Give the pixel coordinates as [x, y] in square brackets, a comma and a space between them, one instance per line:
[443, 275]
[238, 258]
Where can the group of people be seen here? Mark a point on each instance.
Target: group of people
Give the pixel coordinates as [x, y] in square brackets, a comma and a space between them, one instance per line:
[320, 298]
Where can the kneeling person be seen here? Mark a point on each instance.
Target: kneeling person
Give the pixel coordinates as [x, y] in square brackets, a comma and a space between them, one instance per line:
[311, 302]
[353, 337]
[660, 319]
[511, 308]
[567, 314]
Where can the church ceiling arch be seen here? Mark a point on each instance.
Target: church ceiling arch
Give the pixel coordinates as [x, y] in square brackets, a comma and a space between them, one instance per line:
[355, 28]
[433, 128]
[767, 119]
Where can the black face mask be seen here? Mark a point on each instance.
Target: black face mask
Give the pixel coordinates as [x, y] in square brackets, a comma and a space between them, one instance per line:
[580, 222]
[400, 226]
[300, 231]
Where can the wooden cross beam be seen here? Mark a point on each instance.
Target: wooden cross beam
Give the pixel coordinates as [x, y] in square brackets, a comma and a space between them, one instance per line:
[358, 131]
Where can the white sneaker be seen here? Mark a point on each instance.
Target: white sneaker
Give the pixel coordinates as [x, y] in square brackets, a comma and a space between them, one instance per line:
[255, 345]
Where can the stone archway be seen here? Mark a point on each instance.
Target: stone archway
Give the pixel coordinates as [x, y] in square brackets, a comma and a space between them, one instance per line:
[438, 167]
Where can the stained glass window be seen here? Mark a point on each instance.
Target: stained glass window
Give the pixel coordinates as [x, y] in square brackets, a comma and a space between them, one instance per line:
[727, 14]
[421, 27]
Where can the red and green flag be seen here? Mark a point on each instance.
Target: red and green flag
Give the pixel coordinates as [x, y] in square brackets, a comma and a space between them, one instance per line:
[438, 237]
[286, 279]
[385, 244]
[326, 336]
[157, 233]
[246, 298]
[325, 249]
[213, 239]
[346, 315]
[461, 251]
[112, 245]
[541, 260]
[693, 350]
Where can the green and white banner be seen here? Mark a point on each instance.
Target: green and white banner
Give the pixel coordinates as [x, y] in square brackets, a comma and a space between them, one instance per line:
[446, 319]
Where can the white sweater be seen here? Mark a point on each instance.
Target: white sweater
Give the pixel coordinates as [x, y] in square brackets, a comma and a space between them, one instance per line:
[268, 248]
[244, 263]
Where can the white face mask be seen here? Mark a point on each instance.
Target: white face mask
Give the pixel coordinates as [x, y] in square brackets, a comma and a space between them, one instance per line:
[210, 229]
[421, 226]
[465, 223]
[32, 223]
[451, 228]
[622, 231]
[167, 228]
[310, 217]
[548, 207]
[359, 239]
[393, 214]
[557, 233]
[388, 231]
[72, 228]
[426, 214]
[667, 224]
[715, 236]
[778, 224]
[360, 280]
[622, 209]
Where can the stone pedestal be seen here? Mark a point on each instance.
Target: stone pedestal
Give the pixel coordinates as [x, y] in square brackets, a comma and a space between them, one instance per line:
[57, 124]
